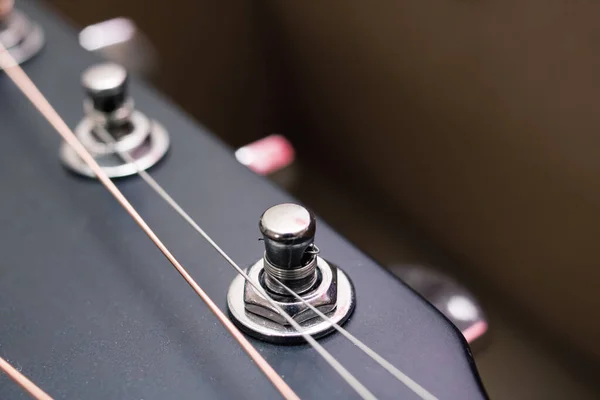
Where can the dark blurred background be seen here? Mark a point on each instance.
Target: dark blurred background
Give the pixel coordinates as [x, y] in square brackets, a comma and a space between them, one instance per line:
[462, 135]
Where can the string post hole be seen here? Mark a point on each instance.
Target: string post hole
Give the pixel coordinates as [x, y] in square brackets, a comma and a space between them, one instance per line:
[290, 261]
[109, 109]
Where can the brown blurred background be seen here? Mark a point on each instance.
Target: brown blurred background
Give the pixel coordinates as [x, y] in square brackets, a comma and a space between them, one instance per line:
[462, 134]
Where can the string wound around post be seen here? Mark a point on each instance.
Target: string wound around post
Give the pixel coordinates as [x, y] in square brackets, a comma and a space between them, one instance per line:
[292, 259]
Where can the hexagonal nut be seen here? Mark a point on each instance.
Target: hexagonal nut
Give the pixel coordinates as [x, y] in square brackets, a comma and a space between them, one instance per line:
[323, 298]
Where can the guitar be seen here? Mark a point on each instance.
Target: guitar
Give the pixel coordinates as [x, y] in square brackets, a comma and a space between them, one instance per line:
[94, 219]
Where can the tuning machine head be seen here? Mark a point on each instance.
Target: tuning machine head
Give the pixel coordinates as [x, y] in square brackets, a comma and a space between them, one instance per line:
[290, 253]
[18, 34]
[292, 259]
[106, 86]
[123, 140]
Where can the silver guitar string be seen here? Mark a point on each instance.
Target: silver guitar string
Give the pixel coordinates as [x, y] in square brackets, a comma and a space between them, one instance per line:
[399, 375]
[331, 360]
[30, 90]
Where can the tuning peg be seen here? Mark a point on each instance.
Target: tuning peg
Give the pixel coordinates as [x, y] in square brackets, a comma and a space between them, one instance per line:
[295, 277]
[106, 85]
[123, 140]
[288, 231]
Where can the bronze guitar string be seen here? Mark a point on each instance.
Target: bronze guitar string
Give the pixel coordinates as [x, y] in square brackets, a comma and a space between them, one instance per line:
[415, 387]
[24, 83]
[30, 387]
[335, 364]
[399, 375]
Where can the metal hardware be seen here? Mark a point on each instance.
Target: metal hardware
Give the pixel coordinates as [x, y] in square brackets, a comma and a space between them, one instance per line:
[109, 107]
[257, 325]
[289, 231]
[20, 36]
[290, 258]
[299, 279]
[450, 298]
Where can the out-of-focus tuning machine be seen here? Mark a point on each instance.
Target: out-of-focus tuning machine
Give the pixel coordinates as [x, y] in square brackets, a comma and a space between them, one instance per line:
[110, 110]
[18, 34]
[291, 258]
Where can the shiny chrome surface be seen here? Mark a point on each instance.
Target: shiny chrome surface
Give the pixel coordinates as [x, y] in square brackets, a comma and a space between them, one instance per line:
[287, 222]
[265, 327]
[290, 266]
[106, 85]
[134, 139]
[299, 279]
[323, 297]
[110, 108]
[290, 255]
[105, 79]
[146, 155]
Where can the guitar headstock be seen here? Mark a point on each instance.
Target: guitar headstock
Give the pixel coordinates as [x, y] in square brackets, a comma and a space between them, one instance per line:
[90, 308]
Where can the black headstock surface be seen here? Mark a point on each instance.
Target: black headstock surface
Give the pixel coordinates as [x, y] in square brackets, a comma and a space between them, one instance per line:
[90, 309]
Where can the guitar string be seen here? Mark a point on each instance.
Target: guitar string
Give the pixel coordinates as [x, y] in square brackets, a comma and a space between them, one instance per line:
[24, 83]
[399, 375]
[327, 356]
[34, 390]
[334, 363]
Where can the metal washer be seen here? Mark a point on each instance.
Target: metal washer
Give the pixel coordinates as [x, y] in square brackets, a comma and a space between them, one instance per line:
[30, 44]
[150, 152]
[269, 331]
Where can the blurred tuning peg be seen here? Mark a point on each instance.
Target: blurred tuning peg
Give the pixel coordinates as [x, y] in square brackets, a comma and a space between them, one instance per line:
[119, 40]
[450, 298]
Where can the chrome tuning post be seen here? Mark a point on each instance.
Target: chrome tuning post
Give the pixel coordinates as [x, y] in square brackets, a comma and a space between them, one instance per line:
[109, 109]
[18, 34]
[292, 259]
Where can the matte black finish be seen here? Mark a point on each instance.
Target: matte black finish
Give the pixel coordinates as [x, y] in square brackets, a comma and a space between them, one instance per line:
[90, 309]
